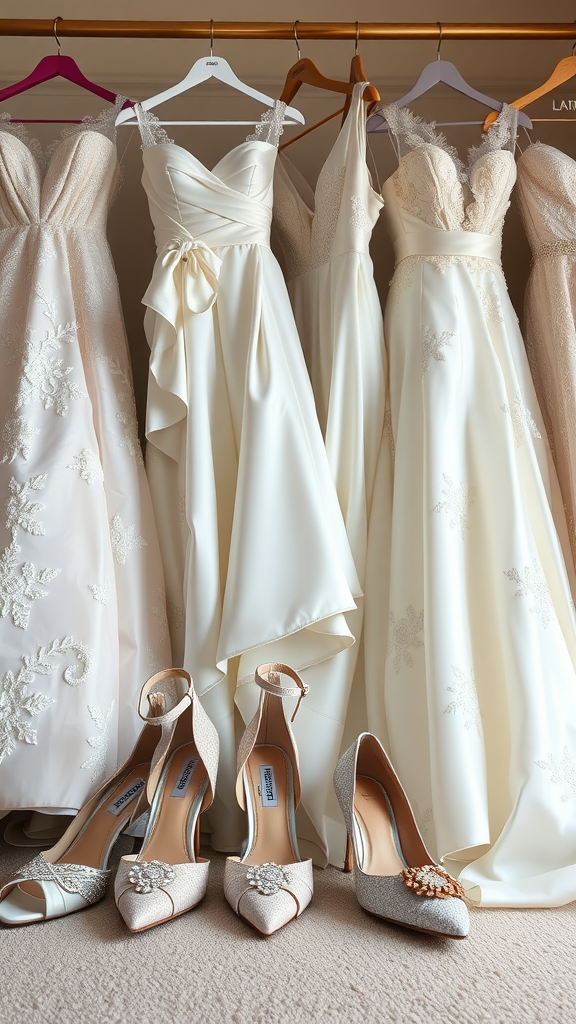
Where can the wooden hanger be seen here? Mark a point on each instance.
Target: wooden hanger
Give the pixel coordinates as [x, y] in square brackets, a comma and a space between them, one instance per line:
[305, 72]
[564, 70]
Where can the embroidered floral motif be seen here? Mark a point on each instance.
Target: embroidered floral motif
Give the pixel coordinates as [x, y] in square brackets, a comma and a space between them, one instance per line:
[17, 437]
[44, 377]
[124, 539]
[20, 584]
[432, 345]
[432, 881]
[562, 773]
[168, 614]
[130, 441]
[100, 593]
[359, 218]
[490, 301]
[522, 420]
[96, 763]
[88, 466]
[42, 663]
[465, 699]
[402, 635]
[534, 583]
[457, 504]
[20, 511]
[153, 660]
[146, 876]
[17, 706]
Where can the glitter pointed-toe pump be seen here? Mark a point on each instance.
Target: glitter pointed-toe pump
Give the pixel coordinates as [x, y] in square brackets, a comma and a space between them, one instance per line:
[74, 873]
[270, 885]
[168, 877]
[395, 877]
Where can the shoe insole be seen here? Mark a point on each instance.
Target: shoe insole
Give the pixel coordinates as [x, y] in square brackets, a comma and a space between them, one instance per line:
[379, 853]
[93, 843]
[168, 839]
[267, 773]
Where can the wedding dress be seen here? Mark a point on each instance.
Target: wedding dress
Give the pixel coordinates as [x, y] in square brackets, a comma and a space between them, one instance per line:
[546, 191]
[479, 700]
[324, 238]
[82, 611]
[254, 546]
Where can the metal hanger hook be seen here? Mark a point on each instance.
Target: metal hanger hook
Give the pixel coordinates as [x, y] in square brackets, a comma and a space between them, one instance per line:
[439, 23]
[296, 38]
[211, 36]
[58, 18]
[357, 38]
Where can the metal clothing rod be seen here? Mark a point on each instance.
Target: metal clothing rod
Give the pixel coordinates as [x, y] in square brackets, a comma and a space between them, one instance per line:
[285, 29]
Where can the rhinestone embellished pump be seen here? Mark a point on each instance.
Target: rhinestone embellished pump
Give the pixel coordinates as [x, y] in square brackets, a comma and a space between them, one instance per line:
[395, 877]
[270, 885]
[74, 874]
[168, 877]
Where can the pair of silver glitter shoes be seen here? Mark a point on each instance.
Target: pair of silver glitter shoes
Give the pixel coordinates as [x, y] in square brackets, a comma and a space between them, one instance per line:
[171, 777]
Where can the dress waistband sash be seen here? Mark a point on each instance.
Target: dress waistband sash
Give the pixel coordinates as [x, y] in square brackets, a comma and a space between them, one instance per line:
[435, 242]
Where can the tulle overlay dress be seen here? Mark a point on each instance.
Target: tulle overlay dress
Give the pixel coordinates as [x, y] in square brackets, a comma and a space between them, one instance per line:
[546, 192]
[257, 561]
[323, 239]
[82, 608]
[478, 702]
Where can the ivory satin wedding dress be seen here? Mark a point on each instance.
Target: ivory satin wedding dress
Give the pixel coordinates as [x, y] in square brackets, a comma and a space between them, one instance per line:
[257, 561]
[82, 617]
[324, 238]
[479, 692]
[546, 192]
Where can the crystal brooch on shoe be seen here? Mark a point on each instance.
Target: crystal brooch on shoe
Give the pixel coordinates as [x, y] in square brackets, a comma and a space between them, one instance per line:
[268, 878]
[150, 875]
[432, 880]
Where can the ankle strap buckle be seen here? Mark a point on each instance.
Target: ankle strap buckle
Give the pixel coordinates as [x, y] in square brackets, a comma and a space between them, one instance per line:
[268, 678]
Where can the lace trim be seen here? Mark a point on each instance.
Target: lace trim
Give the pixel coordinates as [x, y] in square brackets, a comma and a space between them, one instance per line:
[403, 271]
[412, 132]
[21, 132]
[271, 125]
[151, 130]
[104, 123]
[500, 135]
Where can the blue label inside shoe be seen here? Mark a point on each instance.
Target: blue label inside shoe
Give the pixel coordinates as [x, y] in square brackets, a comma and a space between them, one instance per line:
[126, 797]
[184, 777]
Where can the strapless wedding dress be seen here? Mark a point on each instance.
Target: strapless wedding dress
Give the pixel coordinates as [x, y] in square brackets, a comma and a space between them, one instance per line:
[255, 551]
[479, 693]
[82, 611]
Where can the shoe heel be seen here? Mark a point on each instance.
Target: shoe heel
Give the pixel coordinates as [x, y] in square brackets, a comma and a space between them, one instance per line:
[349, 855]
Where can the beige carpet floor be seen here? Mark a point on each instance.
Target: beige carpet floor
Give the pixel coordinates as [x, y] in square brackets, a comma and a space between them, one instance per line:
[336, 964]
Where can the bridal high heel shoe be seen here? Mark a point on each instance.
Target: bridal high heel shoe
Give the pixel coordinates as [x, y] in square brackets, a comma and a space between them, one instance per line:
[395, 877]
[74, 874]
[269, 885]
[168, 878]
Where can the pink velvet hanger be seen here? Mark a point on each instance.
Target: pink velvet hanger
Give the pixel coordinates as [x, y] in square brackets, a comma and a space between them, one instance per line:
[56, 65]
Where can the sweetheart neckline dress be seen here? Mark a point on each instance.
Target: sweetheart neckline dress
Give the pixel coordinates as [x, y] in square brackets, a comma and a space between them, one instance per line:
[478, 704]
[82, 615]
[253, 542]
[323, 237]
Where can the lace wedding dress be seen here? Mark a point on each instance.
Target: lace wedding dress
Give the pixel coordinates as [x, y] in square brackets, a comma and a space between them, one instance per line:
[324, 238]
[253, 541]
[546, 191]
[479, 699]
[82, 616]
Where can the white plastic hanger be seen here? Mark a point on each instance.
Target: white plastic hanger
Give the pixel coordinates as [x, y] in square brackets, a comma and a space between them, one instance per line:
[441, 71]
[204, 69]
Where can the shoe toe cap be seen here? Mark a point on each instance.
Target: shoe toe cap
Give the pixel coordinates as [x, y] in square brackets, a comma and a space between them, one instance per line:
[267, 914]
[388, 897]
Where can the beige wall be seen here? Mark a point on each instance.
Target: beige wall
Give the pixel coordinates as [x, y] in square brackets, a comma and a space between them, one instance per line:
[139, 68]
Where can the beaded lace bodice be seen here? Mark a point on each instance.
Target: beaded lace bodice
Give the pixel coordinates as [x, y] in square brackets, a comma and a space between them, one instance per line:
[72, 183]
[547, 194]
[433, 184]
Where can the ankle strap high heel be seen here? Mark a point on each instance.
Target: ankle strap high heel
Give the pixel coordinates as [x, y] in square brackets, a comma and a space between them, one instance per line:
[270, 884]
